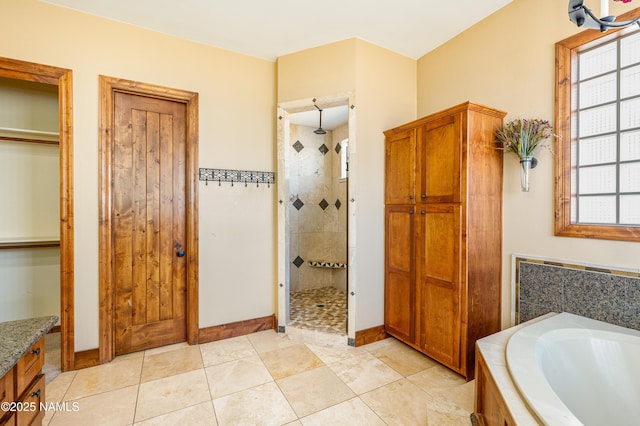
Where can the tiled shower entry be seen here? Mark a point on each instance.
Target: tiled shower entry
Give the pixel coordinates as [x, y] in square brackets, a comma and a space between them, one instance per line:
[323, 309]
[315, 243]
[602, 293]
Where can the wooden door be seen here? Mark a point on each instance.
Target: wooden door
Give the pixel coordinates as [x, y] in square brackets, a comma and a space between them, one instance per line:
[438, 287]
[440, 158]
[399, 300]
[400, 167]
[149, 222]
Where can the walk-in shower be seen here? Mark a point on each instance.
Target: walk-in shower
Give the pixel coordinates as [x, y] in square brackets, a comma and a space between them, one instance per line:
[316, 226]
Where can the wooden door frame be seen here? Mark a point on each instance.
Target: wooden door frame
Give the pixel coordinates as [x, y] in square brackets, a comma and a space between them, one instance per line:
[108, 87]
[61, 77]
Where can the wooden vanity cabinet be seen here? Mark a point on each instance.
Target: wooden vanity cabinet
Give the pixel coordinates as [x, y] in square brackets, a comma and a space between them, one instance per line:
[24, 384]
[6, 393]
[443, 238]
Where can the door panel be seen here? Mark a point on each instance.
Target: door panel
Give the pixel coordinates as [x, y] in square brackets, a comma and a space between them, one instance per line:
[441, 160]
[148, 213]
[438, 281]
[399, 272]
[400, 168]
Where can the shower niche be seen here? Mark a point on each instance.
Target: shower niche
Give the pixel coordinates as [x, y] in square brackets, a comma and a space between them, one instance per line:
[313, 222]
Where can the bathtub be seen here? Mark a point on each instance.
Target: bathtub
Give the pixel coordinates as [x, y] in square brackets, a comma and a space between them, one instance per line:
[572, 370]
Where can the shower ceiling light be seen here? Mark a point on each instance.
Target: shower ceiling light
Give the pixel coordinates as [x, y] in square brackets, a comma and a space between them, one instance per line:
[582, 16]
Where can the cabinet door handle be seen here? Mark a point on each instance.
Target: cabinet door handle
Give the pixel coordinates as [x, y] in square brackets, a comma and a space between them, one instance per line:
[423, 195]
[36, 393]
[411, 197]
[36, 351]
[411, 211]
[423, 212]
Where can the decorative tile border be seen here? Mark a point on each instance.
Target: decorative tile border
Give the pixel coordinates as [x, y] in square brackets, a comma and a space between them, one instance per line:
[321, 264]
[595, 291]
[237, 176]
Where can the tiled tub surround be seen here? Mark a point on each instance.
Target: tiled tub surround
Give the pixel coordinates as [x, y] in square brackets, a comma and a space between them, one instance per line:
[606, 294]
[317, 209]
[268, 379]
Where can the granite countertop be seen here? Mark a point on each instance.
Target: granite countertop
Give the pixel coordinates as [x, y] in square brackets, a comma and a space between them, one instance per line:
[16, 337]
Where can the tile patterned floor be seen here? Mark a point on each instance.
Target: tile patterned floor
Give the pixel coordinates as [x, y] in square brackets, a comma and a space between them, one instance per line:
[323, 309]
[264, 378]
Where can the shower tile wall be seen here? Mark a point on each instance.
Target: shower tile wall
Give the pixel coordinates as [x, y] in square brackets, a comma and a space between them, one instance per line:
[317, 208]
[603, 294]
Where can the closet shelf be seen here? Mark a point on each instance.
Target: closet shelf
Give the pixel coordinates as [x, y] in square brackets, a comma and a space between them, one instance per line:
[27, 135]
[29, 242]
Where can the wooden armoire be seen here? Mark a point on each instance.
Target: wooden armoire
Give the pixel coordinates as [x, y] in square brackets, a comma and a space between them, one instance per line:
[443, 233]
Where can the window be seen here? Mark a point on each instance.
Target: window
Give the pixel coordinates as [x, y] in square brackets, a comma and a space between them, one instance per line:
[598, 121]
[344, 159]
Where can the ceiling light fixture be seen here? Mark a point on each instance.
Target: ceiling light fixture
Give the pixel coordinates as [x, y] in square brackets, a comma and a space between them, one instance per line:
[582, 16]
[319, 130]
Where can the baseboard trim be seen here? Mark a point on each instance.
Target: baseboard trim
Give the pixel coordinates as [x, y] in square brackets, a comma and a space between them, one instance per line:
[235, 329]
[370, 335]
[91, 357]
[85, 359]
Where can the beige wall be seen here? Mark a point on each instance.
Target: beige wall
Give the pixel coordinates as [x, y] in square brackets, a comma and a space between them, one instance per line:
[321, 71]
[237, 131]
[383, 84]
[507, 62]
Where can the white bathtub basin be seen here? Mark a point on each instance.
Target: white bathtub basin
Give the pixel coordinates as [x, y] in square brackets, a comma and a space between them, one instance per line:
[573, 370]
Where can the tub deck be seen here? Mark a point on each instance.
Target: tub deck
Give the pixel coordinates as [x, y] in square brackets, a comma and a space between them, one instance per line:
[496, 393]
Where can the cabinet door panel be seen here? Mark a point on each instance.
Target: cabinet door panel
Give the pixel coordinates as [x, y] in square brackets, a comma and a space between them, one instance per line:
[6, 392]
[400, 169]
[399, 272]
[33, 397]
[29, 366]
[438, 284]
[441, 161]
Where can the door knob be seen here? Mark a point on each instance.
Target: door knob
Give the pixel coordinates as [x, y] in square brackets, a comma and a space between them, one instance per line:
[180, 253]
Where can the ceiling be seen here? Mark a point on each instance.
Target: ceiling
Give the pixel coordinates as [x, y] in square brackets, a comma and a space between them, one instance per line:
[331, 117]
[269, 29]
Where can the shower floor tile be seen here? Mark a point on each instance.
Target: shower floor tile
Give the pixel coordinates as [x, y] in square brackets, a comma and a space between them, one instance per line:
[323, 309]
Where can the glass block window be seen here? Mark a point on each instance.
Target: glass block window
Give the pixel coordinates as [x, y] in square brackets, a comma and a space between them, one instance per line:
[344, 159]
[605, 155]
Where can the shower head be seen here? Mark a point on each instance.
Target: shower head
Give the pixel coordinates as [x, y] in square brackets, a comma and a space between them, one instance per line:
[319, 130]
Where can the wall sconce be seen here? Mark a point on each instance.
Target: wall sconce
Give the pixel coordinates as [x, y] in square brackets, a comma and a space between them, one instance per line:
[582, 16]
